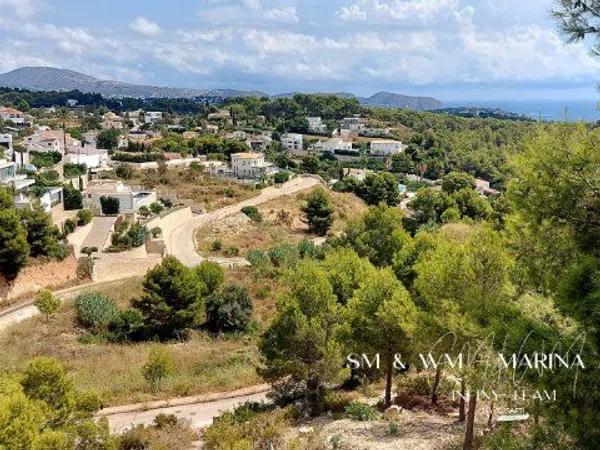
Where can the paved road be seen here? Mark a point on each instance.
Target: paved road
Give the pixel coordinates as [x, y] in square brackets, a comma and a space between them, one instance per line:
[181, 243]
[198, 415]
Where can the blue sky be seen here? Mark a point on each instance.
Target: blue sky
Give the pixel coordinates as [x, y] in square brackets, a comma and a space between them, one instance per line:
[451, 49]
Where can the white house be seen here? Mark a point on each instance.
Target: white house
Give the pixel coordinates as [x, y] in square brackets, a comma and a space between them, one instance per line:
[333, 144]
[50, 141]
[130, 199]
[9, 176]
[52, 197]
[89, 155]
[238, 135]
[291, 141]
[354, 123]
[316, 125]
[153, 116]
[6, 144]
[251, 165]
[385, 147]
[12, 115]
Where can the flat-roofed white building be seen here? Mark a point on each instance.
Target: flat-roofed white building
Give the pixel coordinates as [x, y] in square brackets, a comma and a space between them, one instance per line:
[292, 141]
[333, 144]
[153, 116]
[355, 123]
[9, 176]
[89, 155]
[251, 165]
[130, 198]
[386, 147]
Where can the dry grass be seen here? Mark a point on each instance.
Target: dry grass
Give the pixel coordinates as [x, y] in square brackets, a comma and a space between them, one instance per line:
[283, 221]
[201, 190]
[202, 363]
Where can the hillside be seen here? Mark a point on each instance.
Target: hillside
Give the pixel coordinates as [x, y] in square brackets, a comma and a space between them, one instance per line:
[49, 79]
[391, 100]
[384, 100]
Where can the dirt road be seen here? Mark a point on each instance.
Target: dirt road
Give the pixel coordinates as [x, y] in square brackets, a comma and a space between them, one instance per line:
[181, 242]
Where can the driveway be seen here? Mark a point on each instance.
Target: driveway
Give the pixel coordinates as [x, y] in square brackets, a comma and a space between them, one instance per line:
[181, 241]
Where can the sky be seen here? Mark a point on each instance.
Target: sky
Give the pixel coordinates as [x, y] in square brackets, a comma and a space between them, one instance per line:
[449, 49]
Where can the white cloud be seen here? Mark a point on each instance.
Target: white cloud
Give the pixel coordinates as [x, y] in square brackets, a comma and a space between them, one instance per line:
[145, 27]
[21, 8]
[283, 15]
[351, 12]
[400, 10]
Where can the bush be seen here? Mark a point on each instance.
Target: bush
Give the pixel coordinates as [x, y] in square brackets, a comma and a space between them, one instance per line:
[46, 303]
[211, 274]
[336, 402]
[248, 430]
[231, 252]
[96, 311]
[229, 310]
[257, 259]
[156, 208]
[166, 421]
[72, 198]
[128, 326]
[252, 213]
[144, 211]
[74, 170]
[281, 177]
[319, 211]
[307, 249]
[167, 202]
[158, 367]
[68, 227]
[137, 235]
[84, 216]
[216, 245]
[155, 232]
[361, 411]
[124, 171]
[284, 255]
[109, 205]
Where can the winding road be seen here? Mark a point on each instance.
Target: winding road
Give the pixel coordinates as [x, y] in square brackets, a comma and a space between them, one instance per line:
[199, 411]
[181, 241]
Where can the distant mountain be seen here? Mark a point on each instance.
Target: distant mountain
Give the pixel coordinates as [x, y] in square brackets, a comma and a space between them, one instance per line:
[386, 100]
[52, 79]
[391, 100]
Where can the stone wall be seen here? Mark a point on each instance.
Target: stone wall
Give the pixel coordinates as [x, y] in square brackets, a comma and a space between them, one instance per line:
[36, 276]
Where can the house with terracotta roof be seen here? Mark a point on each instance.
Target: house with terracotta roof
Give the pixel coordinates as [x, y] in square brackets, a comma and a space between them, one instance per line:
[12, 115]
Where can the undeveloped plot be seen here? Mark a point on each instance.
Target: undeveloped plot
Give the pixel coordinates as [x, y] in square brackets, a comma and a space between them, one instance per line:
[282, 222]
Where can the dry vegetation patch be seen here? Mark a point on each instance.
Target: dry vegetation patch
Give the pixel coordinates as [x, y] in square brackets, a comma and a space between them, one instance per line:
[203, 363]
[282, 221]
[202, 190]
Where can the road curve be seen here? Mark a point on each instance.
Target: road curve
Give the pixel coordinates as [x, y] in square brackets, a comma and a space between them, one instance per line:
[181, 242]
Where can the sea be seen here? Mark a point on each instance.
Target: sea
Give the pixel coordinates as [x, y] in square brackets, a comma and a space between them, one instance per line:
[547, 110]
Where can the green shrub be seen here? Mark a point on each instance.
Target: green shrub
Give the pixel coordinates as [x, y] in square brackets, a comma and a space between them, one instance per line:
[216, 245]
[231, 252]
[211, 274]
[156, 208]
[124, 171]
[109, 205]
[336, 402]
[361, 411]
[257, 258]
[284, 255]
[144, 211]
[155, 232]
[96, 311]
[252, 213]
[68, 227]
[307, 249]
[158, 367]
[74, 170]
[247, 430]
[166, 421]
[229, 310]
[281, 177]
[84, 216]
[127, 326]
